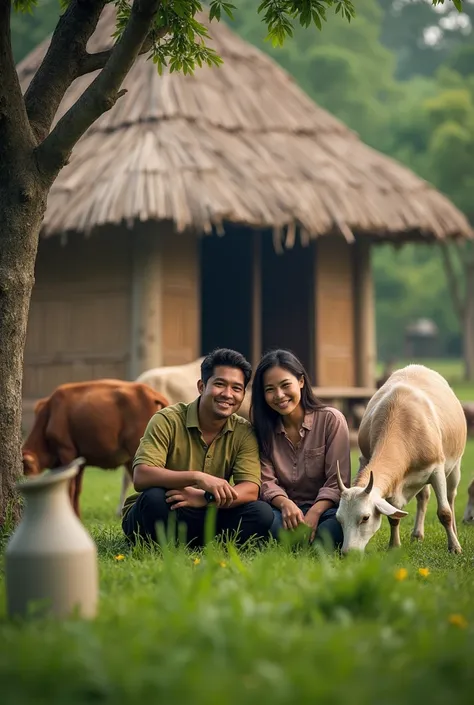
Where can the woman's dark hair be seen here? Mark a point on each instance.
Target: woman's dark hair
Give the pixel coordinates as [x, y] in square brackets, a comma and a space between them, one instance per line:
[226, 358]
[265, 418]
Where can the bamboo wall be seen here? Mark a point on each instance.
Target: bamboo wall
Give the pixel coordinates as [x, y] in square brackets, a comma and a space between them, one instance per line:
[123, 301]
[79, 321]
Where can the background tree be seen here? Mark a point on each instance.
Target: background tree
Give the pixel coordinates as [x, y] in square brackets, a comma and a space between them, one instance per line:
[423, 35]
[451, 154]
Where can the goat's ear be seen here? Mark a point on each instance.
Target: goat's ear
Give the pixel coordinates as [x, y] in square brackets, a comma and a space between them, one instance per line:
[389, 510]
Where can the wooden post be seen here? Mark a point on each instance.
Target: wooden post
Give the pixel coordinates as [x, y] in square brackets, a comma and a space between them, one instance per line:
[146, 302]
[365, 338]
[256, 299]
[334, 313]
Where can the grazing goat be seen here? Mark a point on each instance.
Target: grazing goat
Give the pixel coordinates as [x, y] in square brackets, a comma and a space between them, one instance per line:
[469, 511]
[413, 434]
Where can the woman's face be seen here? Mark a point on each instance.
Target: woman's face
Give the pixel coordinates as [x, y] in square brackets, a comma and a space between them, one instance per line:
[282, 390]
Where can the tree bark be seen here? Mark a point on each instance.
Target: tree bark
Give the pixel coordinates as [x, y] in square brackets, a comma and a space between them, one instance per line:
[22, 205]
[463, 298]
[468, 324]
[21, 213]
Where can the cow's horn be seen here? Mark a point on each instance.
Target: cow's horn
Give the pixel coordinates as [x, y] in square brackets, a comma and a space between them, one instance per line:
[340, 483]
[368, 489]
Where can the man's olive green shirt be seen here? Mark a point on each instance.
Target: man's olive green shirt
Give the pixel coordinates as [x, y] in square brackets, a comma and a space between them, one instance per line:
[173, 440]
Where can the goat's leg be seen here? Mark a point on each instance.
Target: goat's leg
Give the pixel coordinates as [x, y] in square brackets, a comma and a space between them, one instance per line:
[445, 515]
[394, 533]
[452, 482]
[422, 498]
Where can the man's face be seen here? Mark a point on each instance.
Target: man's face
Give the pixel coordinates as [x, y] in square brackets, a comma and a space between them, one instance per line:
[224, 392]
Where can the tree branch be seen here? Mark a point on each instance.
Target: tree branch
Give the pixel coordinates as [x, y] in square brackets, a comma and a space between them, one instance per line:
[60, 66]
[102, 93]
[93, 62]
[453, 282]
[14, 125]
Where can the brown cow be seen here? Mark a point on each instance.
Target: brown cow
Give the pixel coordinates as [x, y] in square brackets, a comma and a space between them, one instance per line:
[101, 420]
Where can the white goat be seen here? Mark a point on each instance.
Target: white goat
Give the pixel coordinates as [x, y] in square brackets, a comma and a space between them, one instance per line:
[469, 511]
[413, 434]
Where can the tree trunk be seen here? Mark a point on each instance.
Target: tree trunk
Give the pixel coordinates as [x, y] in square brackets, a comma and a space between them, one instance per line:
[22, 206]
[468, 324]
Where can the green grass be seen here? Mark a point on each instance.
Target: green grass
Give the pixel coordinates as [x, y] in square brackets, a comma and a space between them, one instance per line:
[273, 625]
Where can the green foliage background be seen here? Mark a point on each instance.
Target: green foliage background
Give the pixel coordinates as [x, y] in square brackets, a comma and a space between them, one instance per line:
[408, 98]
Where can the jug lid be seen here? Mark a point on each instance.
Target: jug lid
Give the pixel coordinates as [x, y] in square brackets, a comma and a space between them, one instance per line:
[52, 477]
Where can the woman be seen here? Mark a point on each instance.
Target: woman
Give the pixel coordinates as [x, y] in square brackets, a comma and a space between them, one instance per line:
[300, 442]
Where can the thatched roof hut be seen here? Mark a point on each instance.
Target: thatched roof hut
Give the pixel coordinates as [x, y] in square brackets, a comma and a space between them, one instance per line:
[241, 149]
[242, 144]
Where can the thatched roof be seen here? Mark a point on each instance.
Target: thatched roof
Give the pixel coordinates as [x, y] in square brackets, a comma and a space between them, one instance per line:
[241, 143]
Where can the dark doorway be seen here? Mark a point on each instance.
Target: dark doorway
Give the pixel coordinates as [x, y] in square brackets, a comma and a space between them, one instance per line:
[226, 291]
[287, 300]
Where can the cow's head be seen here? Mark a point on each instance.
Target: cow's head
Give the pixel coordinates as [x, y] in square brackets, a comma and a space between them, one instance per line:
[468, 517]
[30, 463]
[360, 514]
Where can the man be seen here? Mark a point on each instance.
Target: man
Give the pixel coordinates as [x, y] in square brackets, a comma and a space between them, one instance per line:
[188, 454]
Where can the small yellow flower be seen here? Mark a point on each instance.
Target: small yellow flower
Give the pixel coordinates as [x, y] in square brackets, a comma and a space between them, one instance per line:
[223, 564]
[120, 557]
[424, 572]
[458, 620]
[401, 574]
[196, 561]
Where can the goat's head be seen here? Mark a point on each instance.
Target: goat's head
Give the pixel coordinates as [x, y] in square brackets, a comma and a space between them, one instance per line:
[360, 513]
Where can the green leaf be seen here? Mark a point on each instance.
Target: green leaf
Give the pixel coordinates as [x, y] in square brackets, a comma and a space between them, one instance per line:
[317, 20]
[228, 10]
[214, 12]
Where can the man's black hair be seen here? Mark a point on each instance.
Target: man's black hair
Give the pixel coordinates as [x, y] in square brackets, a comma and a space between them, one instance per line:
[226, 358]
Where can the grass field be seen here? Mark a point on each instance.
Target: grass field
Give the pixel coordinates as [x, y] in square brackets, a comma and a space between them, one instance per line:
[274, 625]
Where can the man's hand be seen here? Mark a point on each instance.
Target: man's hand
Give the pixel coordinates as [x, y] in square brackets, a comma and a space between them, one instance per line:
[224, 493]
[187, 497]
[291, 514]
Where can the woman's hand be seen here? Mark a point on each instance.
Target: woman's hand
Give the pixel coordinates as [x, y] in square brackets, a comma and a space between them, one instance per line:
[312, 518]
[314, 514]
[187, 497]
[291, 514]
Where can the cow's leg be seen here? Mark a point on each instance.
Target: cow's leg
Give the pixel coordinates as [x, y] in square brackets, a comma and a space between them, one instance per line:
[66, 455]
[422, 498]
[77, 491]
[394, 533]
[445, 515]
[452, 482]
[127, 477]
[72, 490]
